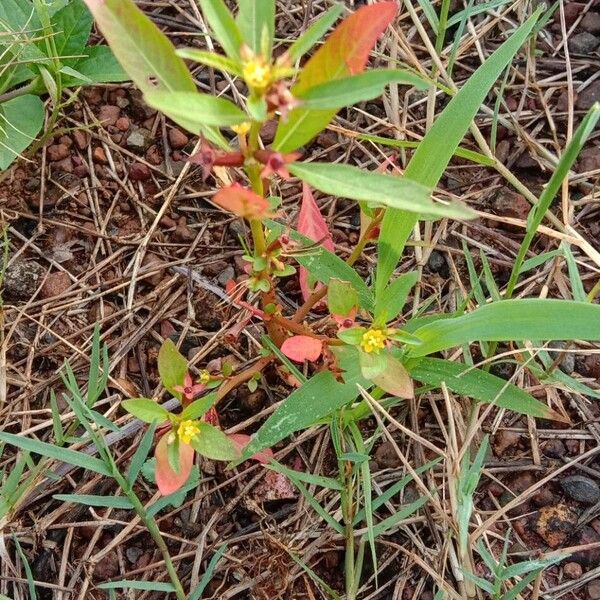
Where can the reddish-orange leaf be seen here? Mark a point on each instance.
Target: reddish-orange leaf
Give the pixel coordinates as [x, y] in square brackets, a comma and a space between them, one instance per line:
[302, 347]
[242, 202]
[167, 480]
[312, 225]
[241, 440]
[347, 49]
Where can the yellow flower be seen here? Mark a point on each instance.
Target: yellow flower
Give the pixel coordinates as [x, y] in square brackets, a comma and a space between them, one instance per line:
[242, 128]
[257, 73]
[204, 377]
[187, 430]
[373, 340]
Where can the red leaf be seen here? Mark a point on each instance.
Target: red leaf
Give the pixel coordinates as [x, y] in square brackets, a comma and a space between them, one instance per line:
[241, 440]
[302, 347]
[312, 225]
[166, 479]
[347, 49]
[242, 202]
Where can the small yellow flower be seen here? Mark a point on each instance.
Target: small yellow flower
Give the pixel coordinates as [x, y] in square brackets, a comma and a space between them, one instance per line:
[187, 430]
[257, 73]
[373, 340]
[242, 128]
[204, 377]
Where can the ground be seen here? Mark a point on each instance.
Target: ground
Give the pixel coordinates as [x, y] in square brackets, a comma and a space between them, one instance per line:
[109, 223]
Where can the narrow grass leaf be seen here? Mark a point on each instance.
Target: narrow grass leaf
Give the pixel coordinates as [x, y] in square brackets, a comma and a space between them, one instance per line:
[100, 501]
[315, 32]
[389, 305]
[224, 27]
[132, 584]
[319, 480]
[141, 454]
[208, 574]
[384, 526]
[210, 59]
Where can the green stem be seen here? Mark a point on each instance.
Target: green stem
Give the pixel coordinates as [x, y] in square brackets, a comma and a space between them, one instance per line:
[22, 91]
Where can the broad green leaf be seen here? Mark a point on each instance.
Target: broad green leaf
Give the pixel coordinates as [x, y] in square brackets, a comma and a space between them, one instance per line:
[211, 59]
[353, 335]
[317, 398]
[132, 584]
[72, 457]
[389, 304]
[347, 181]
[372, 364]
[101, 501]
[439, 144]
[323, 265]
[99, 65]
[172, 367]
[256, 22]
[315, 32]
[512, 320]
[356, 88]
[20, 121]
[213, 443]
[195, 111]
[224, 27]
[394, 378]
[146, 410]
[344, 53]
[142, 49]
[72, 26]
[199, 407]
[342, 298]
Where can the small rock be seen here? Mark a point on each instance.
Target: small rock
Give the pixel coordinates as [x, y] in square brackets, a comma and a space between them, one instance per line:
[593, 590]
[572, 570]
[591, 22]
[253, 402]
[567, 362]
[387, 457]
[437, 264]
[56, 284]
[122, 124]
[589, 160]
[22, 278]
[504, 440]
[99, 155]
[107, 567]
[154, 156]
[33, 184]
[526, 161]
[139, 171]
[133, 553]
[554, 524]
[109, 114]
[139, 139]
[543, 497]
[503, 150]
[182, 232]
[81, 138]
[81, 170]
[508, 203]
[583, 43]
[177, 139]
[57, 152]
[225, 275]
[267, 132]
[65, 165]
[581, 489]
[562, 103]
[152, 262]
[590, 557]
[554, 449]
[571, 10]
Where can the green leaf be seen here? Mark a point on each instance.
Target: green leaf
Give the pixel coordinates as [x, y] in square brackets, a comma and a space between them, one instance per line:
[72, 26]
[356, 88]
[224, 27]
[144, 51]
[101, 501]
[389, 304]
[347, 181]
[440, 143]
[132, 584]
[342, 298]
[317, 398]
[141, 454]
[213, 443]
[372, 364]
[211, 59]
[72, 457]
[199, 407]
[315, 32]
[407, 510]
[98, 66]
[195, 111]
[352, 335]
[196, 594]
[172, 367]
[325, 482]
[20, 121]
[146, 410]
[256, 22]
[512, 320]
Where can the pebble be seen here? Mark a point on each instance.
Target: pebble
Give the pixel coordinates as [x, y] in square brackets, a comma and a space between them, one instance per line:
[56, 284]
[437, 264]
[133, 553]
[572, 570]
[153, 156]
[554, 524]
[571, 10]
[109, 114]
[22, 278]
[65, 165]
[504, 440]
[57, 152]
[554, 449]
[593, 590]
[590, 538]
[139, 171]
[588, 96]
[591, 22]
[387, 457]
[139, 139]
[589, 160]
[225, 275]
[182, 232]
[581, 489]
[122, 124]
[567, 362]
[583, 43]
[81, 139]
[152, 261]
[99, 155]
[177, 139]
[508, 203]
